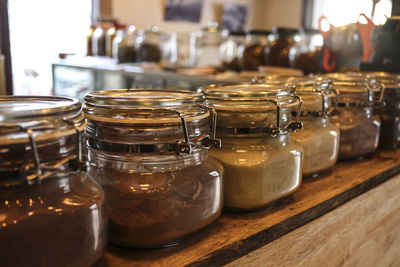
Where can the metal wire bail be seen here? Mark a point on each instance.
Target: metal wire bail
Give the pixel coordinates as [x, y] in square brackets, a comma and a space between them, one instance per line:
[211, 140]
[79, 163]
[35, 155]
[274, 131]
[185, 146]
[297, 124]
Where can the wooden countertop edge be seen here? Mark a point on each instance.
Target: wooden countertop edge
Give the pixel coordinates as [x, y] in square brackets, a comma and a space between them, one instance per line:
[241, 248]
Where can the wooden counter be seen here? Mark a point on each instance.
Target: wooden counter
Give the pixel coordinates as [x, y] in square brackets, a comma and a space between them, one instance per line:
[351, 215]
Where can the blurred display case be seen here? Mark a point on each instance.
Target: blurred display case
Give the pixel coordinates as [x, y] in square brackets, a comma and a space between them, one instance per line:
[76, 76]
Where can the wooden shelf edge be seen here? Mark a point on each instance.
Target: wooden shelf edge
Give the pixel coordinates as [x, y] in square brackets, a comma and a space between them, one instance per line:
[241, 248]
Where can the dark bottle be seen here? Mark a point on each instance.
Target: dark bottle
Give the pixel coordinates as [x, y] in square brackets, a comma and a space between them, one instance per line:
[253, 53]
[124, 45]
[277, 54]
[232, 50]
[150, 45]
[89, 41]
[307, 53]
[99, 39]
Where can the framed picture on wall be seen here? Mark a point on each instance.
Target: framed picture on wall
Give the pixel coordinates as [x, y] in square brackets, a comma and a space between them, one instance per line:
[183, 10]
[234, 17]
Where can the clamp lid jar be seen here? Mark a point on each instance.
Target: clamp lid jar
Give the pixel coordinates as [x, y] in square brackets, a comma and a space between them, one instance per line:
[149, 151]
[261, 163]
[319, 138]
[205, 45]
[389, 110]
[37, 134]
[359, 128]
[49, 204]
[253, 51]
[151, 45]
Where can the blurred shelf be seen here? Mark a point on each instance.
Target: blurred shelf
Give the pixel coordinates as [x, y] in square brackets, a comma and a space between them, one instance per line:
[75, 76]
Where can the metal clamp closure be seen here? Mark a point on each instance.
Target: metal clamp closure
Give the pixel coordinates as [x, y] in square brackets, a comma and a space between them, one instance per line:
[334, 111]
[211, 140]
[186, 146]
[380, 103]
[291, 126]
[42, 170]
[181, 147]
[78, 164]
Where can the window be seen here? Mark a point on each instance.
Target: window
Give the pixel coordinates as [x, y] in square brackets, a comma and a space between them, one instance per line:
[343, 12]
[39, 31]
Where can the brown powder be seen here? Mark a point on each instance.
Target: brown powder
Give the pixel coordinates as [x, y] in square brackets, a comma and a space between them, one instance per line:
[60, 222]
[155, 209]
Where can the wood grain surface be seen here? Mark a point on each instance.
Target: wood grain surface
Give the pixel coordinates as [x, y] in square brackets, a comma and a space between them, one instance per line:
[235, 235]
[363, 232]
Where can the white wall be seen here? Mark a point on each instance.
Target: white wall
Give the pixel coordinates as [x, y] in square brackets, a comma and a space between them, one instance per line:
[262, 14]
[284, 13]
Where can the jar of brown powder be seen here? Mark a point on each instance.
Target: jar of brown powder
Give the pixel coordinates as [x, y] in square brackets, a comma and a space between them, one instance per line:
[51, 213]
[359, 127]
[149, 151]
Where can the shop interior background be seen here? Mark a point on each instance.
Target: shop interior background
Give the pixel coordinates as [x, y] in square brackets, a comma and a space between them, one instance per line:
[41, 29]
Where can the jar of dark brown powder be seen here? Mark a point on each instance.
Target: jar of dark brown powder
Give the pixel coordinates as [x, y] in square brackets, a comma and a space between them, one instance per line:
[149, 151]
[51, 213]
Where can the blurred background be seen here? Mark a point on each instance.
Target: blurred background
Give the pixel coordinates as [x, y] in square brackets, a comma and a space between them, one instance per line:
[70, 47]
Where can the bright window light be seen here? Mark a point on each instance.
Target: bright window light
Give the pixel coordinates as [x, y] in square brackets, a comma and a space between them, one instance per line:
[343, 12]
[39, 31]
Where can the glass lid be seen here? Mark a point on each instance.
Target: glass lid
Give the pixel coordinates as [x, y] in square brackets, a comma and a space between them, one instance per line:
[316, 93]
[214, 28]
[256, 108]
[354, 84]
[350, 79]
[389, 80]
[250, 92]
[301, 83]
[138, 106]
[161, 120]
[24, 107]
[39, 135]
[142, 98]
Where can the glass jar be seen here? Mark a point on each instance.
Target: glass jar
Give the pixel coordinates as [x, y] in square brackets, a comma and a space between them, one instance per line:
[389, 110]
[99, 39]
[319, 138]
[205, 45]
[307, 53]
[124, 45]
[277, 54]
[111, 33]
[180, 50]
[359, 128]
[345, 41]
[89, 41]
[231, 51]
[150, 45]
[149, 151]
[253, 53]
[261, 163]
[51, 213]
